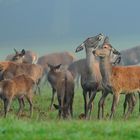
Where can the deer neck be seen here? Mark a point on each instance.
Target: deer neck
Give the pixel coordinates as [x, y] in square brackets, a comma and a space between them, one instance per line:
[90, 61]
[106, 69]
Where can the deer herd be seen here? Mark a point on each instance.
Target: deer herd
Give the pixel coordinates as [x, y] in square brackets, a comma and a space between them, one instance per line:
[103, 69]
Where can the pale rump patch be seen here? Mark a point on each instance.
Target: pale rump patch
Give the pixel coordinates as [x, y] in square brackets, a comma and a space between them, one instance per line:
[34, 60]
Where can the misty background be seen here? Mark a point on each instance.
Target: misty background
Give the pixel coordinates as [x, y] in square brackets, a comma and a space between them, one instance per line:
[47, 26]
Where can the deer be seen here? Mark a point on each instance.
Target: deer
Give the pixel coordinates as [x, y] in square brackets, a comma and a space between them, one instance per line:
[129, 98]
[62, 82]
[10, 69]
[91, 77]
[18, 87]
[117, 79]
[94, 68]
[29, 56]
[115, 60]
[23, 56]
[63, 58]
[130, 56]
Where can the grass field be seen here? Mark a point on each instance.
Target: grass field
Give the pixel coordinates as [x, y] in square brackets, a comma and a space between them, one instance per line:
[44, 124]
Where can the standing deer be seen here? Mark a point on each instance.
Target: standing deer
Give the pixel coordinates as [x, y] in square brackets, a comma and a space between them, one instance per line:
[129, 98]
[18, 87]
[62, 82]
[91, 78]
[119, 79]
[29, 56]
[94, 68]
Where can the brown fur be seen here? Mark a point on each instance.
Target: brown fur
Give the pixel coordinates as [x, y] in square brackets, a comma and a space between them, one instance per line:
[122, 79]
[129, 98]
[29, 57]
[18, 87]
[63, 83]
[125, 79]
[11, 69]
[91, 77]
[64, 58]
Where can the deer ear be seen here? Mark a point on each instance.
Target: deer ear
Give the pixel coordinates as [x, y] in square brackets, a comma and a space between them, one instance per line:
[50, 66]
[58, 66]
[15, 51]
[23, 52]
[106, 40]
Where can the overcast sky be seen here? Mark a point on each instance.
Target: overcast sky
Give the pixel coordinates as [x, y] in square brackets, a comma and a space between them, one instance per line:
[52, 23]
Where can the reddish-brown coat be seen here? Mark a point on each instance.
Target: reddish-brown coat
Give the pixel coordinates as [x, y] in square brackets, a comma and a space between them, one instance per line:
[18, 87]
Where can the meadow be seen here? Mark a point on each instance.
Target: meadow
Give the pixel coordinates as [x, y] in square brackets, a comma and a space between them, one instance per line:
[44, 125]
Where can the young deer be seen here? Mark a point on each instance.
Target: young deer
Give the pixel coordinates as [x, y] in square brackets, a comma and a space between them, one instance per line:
[18, 87]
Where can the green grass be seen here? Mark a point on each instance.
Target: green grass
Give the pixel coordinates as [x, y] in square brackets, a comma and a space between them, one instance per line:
[44, 125]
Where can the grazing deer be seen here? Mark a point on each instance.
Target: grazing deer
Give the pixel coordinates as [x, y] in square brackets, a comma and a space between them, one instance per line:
[18, 87]
[62, 82]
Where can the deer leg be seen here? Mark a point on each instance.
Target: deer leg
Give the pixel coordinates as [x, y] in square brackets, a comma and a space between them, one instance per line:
[29, 99]
[20, 106]
[52, 99]
[7, 103]
[59, 109]
[114, 104]
[129, 100]
[89, 107]
[101, 104]
[38, 83]
[131, 104]
[133, 99]
[85, 101]
[139, 101]
[125, 104]
[71, 105]
[22, 101]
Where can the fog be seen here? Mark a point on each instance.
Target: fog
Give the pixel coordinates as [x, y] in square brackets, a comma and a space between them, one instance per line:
[58, 25]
